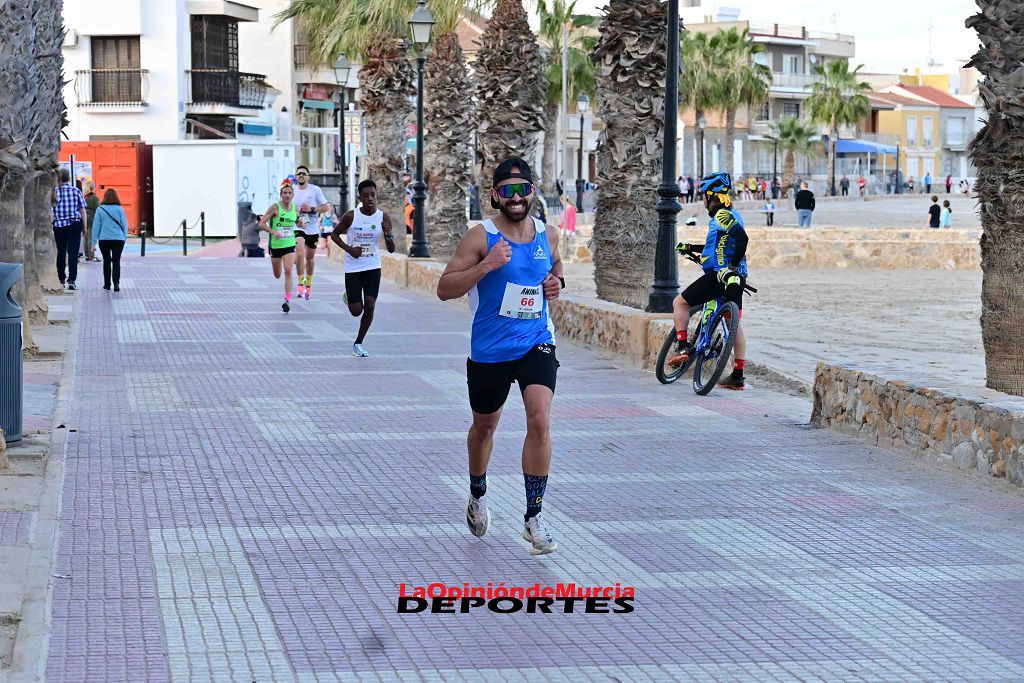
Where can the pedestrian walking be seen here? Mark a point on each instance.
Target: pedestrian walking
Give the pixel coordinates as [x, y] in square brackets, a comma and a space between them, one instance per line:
[933, 213]
[327, 220]
[862, 183]
[92, 202]
[928, 183]
[69, 220]
[775, 187]
[844, 186]
[309, 200]
[769, 212]
[946, 216]
[280, 221]
[110, 230]
[365, 227]
[804, 202]
[949, 183]
[684, 189]
[910, 184]
[692, 189]
[510, 267]
[568, 217]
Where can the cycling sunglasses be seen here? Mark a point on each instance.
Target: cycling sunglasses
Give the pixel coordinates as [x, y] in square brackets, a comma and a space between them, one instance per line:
[509, 191]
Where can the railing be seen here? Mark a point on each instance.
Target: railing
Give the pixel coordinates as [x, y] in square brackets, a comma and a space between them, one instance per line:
[111, 87]
[793, 80]
[231, 88]
[825, 35]
[764, 128]
[880, 138]
[777, 30]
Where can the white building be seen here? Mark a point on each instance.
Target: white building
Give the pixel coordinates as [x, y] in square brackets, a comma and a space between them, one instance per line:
[211, 87]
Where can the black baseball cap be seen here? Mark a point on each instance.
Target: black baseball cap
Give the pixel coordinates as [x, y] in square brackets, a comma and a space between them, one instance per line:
[505, 171]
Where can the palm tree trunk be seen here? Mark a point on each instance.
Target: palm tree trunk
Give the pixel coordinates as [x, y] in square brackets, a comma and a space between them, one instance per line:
[35, 302]
[550, 148]
[700, 145]
[730, 139]
[448, 116]
[387, 81]
[629, 62]
[788, 173]
[12, 245]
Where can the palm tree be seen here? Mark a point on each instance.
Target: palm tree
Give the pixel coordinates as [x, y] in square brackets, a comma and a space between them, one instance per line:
[743, 82]
[795, 138]
[555, 19]
[448, 149]
[510, 90]
[837, 99]
[698, 84]
[18, 89]
[630, 65]
[995, 151]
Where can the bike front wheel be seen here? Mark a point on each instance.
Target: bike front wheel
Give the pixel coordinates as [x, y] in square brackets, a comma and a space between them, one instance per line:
[711, 361]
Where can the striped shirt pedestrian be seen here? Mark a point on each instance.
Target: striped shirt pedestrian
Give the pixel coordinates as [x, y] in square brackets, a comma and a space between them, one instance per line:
[69, 220]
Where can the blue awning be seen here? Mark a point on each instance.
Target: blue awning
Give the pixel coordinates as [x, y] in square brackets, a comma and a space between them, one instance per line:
[318, 104]
[255, 129]
[863, 147]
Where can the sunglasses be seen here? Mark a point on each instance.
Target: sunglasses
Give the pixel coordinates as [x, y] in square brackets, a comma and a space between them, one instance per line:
[509, 191]
[301, 173]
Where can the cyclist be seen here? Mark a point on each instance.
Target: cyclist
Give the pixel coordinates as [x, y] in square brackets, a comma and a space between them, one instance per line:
[724, 259]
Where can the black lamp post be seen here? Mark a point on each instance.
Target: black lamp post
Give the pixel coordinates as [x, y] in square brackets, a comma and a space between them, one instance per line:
[420, 24]
[342, 68]
[702, 123]
[582, 104]
[775, 169]
[666, 267]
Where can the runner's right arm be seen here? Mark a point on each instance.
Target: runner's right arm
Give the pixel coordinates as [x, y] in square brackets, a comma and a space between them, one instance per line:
[471, 263]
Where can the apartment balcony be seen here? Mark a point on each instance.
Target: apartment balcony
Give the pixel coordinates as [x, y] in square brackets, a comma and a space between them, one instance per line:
[793, 83]
[956, 144]
[112, 89]
[762, 129]
[222, 91]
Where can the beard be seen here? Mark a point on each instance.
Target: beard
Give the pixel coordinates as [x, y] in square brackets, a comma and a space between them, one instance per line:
[515, 211]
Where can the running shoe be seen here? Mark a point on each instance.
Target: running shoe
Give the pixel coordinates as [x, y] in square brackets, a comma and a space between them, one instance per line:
[733, 382]
[285, 307]
[71, 286]
[309, 291]
[301, 292]
[536, 532]
[478, 517]
[359, 352]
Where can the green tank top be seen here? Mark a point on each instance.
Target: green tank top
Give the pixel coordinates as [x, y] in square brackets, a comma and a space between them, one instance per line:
[284, 222]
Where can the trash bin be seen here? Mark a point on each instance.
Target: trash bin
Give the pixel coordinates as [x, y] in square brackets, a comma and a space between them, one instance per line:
[10, 354]
[248, 230]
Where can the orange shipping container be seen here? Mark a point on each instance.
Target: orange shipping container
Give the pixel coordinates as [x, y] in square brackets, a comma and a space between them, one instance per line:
[125, 166]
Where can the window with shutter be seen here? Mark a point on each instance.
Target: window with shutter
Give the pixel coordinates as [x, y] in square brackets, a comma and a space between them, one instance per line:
[116, 69]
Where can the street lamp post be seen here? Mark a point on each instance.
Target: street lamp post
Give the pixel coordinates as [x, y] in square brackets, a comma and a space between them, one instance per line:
[342, 68]
[775, 170]
[666, 267]
[582, 104]
[420, 24]
[702, 123]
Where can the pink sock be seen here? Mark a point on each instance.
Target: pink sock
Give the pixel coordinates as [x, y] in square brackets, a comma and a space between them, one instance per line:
[287, 296]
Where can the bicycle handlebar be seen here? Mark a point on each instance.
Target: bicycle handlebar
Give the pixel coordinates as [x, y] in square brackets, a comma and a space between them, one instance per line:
[693, 257]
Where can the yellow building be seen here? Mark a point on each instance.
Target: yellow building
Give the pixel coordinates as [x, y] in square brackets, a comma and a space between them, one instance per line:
[913, 123]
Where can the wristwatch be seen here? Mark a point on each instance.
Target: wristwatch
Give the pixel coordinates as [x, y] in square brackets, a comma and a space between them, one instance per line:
[562, 280]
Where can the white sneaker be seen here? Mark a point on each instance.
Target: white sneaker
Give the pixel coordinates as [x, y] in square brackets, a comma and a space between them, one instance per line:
[478, 517]
[536, 532]
[359, 352]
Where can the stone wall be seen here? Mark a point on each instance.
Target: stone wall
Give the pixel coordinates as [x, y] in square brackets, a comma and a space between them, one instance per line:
[881, 248]
[972, 429]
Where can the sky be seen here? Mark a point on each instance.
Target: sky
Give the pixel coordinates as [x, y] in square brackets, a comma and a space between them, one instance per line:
[891, 35]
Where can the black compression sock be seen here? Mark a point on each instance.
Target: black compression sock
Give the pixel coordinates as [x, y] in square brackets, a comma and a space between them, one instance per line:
[478, 485]
[535, 486]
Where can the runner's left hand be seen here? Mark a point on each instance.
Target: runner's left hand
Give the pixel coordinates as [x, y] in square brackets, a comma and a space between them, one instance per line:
[552, 287]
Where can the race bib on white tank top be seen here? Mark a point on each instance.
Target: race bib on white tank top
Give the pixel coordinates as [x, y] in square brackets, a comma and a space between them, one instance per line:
[366, 232]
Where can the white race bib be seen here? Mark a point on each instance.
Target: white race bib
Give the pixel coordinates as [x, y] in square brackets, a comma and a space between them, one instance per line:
[524, 302]
[368, 243]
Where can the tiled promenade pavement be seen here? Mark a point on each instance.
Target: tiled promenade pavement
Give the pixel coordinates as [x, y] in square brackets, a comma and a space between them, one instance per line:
[243, 497]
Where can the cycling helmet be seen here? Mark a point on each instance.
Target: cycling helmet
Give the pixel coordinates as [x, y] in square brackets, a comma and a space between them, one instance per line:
[718, 182]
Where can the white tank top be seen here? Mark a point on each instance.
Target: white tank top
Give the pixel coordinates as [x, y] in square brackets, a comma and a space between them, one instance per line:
[365, 232]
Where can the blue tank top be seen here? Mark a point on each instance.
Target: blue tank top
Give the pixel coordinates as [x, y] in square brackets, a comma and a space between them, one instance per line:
[510, 314]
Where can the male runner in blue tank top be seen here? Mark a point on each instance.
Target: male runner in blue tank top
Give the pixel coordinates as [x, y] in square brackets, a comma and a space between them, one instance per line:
[510, 268]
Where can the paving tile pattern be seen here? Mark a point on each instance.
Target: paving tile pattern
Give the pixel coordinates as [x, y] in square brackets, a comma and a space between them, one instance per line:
[242, 499]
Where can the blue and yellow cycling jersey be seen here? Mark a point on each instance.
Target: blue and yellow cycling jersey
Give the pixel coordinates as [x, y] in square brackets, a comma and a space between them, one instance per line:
[726, 240]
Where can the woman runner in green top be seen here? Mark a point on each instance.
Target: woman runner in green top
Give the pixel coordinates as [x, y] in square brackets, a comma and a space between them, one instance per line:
[279, 220]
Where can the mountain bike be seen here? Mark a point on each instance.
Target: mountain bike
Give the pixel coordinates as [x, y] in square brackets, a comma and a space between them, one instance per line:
[718, 323]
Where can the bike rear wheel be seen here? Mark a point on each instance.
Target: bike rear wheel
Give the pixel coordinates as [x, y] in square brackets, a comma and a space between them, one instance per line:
[665, 372]
[710, 362]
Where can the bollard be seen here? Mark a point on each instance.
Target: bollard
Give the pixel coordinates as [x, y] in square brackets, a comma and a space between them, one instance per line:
[11, 387]
[142, 234]
[184, 238]
[202, 228]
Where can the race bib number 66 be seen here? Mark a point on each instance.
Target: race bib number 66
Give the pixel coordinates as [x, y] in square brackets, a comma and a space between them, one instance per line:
[523, 302]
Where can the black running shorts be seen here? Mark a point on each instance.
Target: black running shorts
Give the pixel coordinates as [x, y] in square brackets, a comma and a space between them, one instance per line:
[278, 253]
[707, 287]
[358, 285]
[310, 240]
[489, 383]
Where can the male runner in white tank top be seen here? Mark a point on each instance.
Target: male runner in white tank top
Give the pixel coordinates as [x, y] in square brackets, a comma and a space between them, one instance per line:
[365, 226]
[310, 200]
